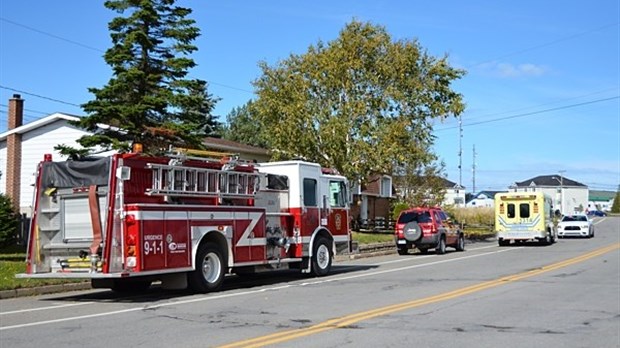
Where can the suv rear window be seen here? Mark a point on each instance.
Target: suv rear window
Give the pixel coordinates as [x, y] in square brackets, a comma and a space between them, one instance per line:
[422, 216]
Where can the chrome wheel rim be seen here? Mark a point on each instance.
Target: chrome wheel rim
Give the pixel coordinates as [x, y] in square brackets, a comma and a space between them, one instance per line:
[211, 267]
[322, 256]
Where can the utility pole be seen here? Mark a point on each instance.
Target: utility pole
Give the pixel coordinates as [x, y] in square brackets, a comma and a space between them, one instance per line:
[460, 152]
[562, 190]
[473, 169]
[459, 191]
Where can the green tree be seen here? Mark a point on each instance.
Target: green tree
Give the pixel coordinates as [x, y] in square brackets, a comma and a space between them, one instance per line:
[8, 221]
[615, 207]
[243, 127]
[149, 99]
[361, 104]
[420, 183]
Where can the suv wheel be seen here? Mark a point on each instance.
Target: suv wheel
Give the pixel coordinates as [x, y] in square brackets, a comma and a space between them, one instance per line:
[460, 244]
[402, 250]
[441, 247]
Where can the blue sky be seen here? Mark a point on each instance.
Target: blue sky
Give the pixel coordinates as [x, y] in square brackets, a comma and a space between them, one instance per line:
[542, 86]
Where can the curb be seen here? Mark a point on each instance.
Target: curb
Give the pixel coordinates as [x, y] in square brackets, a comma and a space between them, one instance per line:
[43, 290]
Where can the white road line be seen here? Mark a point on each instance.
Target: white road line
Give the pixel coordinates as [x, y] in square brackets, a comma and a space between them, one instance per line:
[409, 267]
[45, 308]
[422, 257]
[217, 297]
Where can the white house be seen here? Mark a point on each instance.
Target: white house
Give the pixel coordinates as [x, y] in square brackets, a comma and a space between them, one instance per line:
[482, 199]
[568, 196]
[455, 194]
[601, 200]
[23, 147]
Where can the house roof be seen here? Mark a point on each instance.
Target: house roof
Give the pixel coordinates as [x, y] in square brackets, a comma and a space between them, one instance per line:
[549, 180]
[233, 146]
[449, 184]
[38, 123]
[490, 194]
[601, 196]
[210, 142]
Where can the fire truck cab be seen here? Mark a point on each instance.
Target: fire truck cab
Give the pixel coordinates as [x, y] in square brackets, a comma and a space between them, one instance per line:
[127, 220]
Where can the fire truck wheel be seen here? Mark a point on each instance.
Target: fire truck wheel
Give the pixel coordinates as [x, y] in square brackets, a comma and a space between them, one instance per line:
[321, 257]
[209, 272]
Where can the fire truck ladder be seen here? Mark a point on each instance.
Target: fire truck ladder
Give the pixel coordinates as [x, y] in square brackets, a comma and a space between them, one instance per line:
[178, 180]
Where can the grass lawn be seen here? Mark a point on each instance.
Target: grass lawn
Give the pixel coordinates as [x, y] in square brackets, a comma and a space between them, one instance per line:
[8, 270]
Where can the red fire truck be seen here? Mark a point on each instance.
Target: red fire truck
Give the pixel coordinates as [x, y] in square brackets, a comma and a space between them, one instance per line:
[127, 220]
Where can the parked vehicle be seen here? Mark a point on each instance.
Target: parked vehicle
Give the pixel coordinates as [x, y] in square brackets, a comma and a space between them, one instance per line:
[427, 228]
[576, 225]
[524, 216]
[597, 213]
[130, 219]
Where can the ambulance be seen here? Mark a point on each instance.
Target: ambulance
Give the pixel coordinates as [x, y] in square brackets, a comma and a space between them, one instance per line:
[524, 216]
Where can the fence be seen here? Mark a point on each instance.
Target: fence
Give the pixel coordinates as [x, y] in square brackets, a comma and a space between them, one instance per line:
[22, 229]
[370, 225]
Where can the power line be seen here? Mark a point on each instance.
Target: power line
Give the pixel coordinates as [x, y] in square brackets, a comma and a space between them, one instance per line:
[51, 35]
[30, 110]
[566, 38]
[530, 113]
[99, 50]
[39, 96]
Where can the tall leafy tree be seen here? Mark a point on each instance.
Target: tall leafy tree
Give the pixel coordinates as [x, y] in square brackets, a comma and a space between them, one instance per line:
[361, 104]
[149, 99]
[242, 127]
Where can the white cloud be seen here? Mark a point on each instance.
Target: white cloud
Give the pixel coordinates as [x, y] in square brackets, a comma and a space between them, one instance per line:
[508, 70]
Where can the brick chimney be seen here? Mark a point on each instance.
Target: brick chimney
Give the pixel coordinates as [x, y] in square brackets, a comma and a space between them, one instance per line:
[14, 151]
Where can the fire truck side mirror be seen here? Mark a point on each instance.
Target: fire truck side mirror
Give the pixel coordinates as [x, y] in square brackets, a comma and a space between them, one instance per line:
[123, 173]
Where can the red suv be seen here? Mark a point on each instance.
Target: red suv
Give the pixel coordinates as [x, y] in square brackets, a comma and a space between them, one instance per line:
[427, 228]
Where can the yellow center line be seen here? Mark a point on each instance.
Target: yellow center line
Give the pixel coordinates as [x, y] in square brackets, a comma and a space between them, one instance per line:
[348, 320]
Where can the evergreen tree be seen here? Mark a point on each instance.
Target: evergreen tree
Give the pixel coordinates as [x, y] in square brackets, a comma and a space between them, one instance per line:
[149, 99]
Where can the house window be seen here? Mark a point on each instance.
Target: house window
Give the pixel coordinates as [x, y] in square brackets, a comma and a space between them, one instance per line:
[386, 186]
[310, 193]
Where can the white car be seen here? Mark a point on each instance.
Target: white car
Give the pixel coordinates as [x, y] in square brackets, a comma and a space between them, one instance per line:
[576, 225]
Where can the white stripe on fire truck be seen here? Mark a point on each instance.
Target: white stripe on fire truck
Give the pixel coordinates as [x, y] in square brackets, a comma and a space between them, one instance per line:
[243, 241]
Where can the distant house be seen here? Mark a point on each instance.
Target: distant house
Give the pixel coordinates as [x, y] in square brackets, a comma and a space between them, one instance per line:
[482, 199]
[568, 195]
[246, 152]
[601, 200]
[371, 202]
[455, 194]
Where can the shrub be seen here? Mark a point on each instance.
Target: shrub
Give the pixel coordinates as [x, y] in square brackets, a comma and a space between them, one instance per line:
[8, 222]
[397, 208]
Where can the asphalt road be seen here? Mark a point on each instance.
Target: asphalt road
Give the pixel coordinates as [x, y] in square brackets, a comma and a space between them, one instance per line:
[564, 295]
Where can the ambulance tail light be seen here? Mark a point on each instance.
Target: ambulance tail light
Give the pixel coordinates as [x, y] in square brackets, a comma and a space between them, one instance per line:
[535, 208]
[501, 208]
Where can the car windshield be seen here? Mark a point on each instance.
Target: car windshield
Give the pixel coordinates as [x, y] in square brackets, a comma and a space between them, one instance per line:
[421, 216]
[575, 218]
